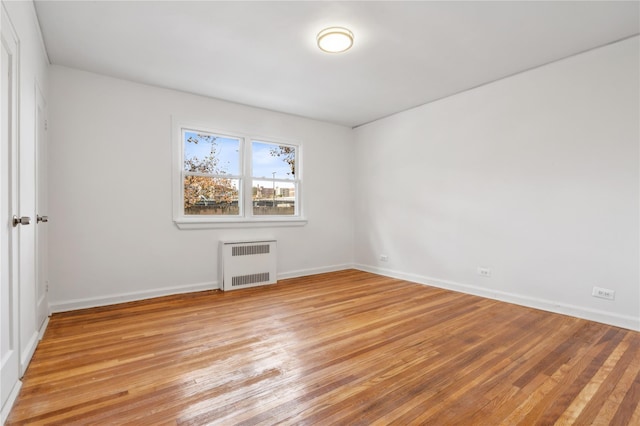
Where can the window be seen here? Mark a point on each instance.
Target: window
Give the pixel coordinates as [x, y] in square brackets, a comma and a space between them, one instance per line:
[224, 179]
[275, 194]
[212, 178]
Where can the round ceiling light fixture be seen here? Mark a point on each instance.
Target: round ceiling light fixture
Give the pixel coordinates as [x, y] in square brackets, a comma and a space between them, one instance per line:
[335, 39]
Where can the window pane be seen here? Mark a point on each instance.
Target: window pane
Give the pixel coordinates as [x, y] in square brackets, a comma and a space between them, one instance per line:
[273, 161]
[213, 154]
[273, 198]
[210, 196]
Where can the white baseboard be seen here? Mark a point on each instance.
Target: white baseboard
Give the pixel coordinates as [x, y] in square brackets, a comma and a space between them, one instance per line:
[44, 326]
[629, 322]
[6, 408]
[32, 346]
[610, 318]
[314, 271]
[28, 352]
[93, 302]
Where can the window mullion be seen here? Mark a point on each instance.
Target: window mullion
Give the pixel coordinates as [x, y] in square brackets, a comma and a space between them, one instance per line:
[246, 171]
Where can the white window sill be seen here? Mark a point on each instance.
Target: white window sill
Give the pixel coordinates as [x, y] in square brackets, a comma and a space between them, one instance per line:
[208, 223]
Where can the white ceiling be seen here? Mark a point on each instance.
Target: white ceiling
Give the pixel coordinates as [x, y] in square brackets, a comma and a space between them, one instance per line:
[264, 53]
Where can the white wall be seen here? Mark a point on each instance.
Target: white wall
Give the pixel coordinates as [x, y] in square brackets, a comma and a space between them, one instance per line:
[112, 236]
[535, 176]
[33, 68]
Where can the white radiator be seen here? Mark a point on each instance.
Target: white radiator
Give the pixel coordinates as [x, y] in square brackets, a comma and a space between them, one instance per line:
[247, 264]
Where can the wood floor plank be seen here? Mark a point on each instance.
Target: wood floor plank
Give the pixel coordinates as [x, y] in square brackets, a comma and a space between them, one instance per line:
[347, 347]
[610, 374]
[628, 412]
[621, 382]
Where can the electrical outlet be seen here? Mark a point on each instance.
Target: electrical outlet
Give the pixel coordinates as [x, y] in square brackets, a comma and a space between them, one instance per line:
[484, 272]
[603, 293]
[384, 258]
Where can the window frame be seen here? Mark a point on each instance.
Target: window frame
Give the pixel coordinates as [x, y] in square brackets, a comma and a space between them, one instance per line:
[245, 218]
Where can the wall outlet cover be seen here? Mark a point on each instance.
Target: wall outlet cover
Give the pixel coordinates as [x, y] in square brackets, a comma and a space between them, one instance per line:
[603, 293]
[484, 271]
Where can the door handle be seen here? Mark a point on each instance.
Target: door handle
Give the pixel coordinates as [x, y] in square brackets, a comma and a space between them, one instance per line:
[24, 220]
[42, 219]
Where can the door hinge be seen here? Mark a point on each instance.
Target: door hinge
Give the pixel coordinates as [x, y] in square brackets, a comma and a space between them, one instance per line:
[46, 124]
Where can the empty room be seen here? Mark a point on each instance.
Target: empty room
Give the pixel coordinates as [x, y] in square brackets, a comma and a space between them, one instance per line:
[320, 212]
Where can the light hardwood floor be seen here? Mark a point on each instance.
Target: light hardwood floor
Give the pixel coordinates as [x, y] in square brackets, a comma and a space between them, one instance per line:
[342, 348]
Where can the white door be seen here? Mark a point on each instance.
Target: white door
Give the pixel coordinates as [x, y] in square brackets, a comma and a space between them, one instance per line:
[9, 349]
[42, 207]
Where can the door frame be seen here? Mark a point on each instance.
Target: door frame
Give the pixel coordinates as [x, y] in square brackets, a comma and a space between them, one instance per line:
[41, 257]
[10, 361]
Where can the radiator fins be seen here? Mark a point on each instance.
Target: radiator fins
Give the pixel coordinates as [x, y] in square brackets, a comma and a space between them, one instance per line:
[249, 250]
[249, 279]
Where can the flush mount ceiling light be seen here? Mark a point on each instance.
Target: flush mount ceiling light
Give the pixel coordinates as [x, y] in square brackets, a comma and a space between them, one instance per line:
[335, 39]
